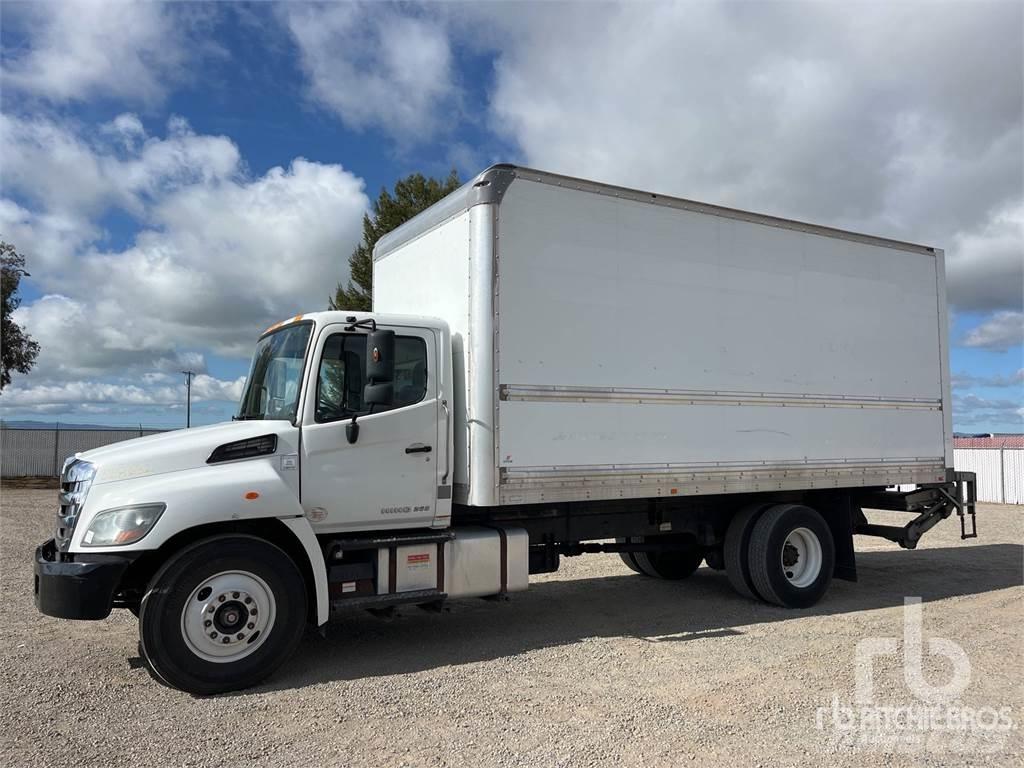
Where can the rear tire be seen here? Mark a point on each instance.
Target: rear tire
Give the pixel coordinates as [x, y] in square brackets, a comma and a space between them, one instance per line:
[715, 559]
[222, 614]
[675, 563]
[792, 556]
[627, 557]
[735, 551]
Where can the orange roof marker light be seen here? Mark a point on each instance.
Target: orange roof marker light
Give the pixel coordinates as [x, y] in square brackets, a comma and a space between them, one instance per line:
[252, 495]
[275, 326]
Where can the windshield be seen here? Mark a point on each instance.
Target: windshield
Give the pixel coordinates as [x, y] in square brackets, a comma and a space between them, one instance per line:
[272, 389]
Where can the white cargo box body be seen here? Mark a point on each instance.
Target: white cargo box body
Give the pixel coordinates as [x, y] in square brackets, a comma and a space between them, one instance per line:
[609, 343]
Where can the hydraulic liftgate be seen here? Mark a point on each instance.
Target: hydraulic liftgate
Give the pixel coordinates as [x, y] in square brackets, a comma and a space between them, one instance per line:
[932, 503]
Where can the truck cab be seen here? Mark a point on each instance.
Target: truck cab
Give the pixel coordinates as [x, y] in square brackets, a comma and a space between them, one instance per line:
[375, 432]
[343, 428]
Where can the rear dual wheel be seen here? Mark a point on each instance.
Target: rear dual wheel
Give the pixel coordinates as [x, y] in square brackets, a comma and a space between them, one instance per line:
[782, 554]
[627, 557]
[680, 558]
[737, 546]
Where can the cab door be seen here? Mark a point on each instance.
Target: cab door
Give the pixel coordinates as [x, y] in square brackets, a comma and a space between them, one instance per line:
[387, 478]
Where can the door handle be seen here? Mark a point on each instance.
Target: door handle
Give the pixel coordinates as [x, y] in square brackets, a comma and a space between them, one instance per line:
[418, 448]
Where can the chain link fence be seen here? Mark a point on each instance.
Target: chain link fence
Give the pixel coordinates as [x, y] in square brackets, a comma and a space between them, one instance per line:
[41, 452]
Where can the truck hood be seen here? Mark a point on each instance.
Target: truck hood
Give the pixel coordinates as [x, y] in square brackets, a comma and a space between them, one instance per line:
[175, 451]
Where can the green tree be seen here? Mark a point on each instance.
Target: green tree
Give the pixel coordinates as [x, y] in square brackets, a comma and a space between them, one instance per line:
[412, 194]
[19, 350]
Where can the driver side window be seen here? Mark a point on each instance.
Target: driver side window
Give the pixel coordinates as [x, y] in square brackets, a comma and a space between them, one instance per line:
[342, 375]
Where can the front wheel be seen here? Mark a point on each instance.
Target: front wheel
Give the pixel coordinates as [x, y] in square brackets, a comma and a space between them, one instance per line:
[222, 614]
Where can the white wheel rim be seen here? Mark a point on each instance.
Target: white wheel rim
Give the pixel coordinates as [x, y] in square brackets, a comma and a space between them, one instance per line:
[801, 557]
[228, 616]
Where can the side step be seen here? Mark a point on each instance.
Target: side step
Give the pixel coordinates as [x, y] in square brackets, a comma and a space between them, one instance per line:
[939, 502]
[386, 539]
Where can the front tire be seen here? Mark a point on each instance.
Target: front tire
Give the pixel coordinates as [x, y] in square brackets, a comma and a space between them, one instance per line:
[792, 556]
[222, 614]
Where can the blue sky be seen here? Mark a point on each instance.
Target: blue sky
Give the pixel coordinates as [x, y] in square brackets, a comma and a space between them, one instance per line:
[180, 176]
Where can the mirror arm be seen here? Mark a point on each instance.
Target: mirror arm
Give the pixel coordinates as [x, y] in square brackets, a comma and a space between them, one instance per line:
[368, 322]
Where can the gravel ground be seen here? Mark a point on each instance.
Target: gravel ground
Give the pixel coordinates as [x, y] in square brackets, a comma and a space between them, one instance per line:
[592, 666]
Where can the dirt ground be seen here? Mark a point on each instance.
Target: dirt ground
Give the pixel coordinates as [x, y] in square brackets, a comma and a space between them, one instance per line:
[592, 666]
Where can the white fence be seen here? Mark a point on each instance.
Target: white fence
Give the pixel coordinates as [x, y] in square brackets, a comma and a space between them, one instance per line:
[1000, 472]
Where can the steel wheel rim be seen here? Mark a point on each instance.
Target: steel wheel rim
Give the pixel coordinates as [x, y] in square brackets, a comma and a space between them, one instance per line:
[801, 557]
[228, 616]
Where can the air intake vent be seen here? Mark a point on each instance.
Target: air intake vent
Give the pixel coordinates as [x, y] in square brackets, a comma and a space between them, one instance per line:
[244, 449]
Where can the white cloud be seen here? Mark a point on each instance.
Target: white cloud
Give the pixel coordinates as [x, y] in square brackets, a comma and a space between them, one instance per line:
[223, 259]
[982, 412]
[985, 267]
[118, 166]
[79, 49]
[52, 237]
[81, 394]
[208, 388]
[127, 127]
[873, 117]
[965, 380]
[857, 116]
[376, 67]
[220, 254]
[1002, 331]
[85, 337]
[52, 167]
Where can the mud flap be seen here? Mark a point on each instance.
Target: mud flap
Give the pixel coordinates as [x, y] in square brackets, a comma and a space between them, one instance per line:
[838, 513]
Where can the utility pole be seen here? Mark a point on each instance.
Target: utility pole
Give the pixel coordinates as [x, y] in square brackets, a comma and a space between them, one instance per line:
[188, 397]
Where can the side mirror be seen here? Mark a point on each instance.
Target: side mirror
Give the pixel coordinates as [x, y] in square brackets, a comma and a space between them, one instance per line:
[380, 369]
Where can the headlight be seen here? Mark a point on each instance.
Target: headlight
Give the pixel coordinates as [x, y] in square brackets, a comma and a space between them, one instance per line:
[123, 525]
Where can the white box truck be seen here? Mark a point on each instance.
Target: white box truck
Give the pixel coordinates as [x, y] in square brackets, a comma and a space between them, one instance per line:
[553, 367]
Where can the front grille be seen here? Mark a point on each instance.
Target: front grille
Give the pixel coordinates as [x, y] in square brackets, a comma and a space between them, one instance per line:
[75, 480]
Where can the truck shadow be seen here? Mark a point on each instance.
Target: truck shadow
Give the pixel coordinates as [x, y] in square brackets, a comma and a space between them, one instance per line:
[560, 612]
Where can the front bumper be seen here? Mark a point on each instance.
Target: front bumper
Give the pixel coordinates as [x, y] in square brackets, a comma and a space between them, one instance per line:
[80, 588]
